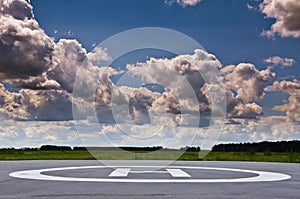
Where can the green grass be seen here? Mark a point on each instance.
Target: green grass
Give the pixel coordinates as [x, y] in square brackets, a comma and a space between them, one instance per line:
[45, 155]
[104, 155]
[257, 157]
[158, 155]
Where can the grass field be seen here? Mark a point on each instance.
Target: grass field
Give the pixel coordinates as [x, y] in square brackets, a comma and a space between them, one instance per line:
[104, 155]
[257, 157]
[159, 155]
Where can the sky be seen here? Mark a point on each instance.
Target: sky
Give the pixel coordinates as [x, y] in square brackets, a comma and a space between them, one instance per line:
[253, 44]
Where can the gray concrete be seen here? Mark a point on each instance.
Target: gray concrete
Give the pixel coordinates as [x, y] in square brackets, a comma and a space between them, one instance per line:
[23, 188]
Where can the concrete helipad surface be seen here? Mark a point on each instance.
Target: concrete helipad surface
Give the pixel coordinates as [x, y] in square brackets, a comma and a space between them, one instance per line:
[148, 179]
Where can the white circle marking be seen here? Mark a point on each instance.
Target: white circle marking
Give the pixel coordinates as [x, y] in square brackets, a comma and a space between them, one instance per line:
[263, 176]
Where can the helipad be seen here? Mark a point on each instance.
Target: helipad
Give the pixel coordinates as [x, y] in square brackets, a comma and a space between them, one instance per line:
[147, 179]
[175, 171]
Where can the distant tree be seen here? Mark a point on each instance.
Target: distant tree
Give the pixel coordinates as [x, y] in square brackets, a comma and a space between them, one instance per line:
[280, 146]
[191, 149]
[79, 149]
[55, 148]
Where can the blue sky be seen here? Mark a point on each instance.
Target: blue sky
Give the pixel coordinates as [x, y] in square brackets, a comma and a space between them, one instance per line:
[226, 28]
[257, 44]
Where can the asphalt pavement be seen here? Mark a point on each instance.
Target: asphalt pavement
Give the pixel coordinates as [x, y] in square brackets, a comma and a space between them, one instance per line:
[148, 179]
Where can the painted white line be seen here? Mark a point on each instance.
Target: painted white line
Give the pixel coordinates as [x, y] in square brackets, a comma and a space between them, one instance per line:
[262, 176]
[178, 173]
[121, 172]
[146, 172]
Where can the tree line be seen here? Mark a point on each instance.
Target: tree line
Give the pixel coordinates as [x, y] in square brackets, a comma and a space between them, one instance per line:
[280, 146]
[68, 148]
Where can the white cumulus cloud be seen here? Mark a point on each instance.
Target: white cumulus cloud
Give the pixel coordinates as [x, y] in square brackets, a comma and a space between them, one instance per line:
[292, 107]
[287, 16]
[183, 3]
[280, 61]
